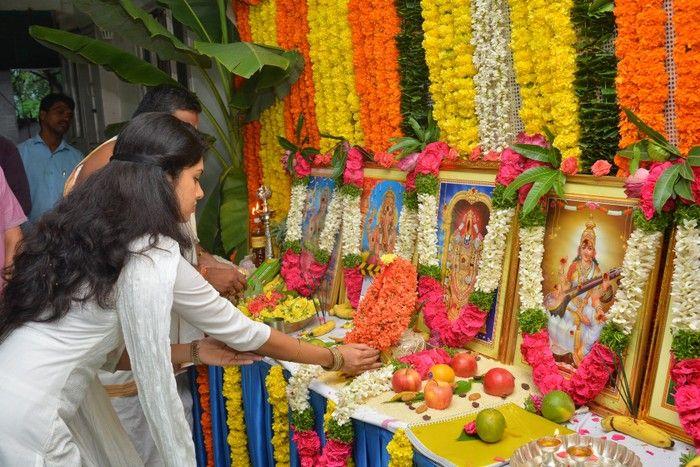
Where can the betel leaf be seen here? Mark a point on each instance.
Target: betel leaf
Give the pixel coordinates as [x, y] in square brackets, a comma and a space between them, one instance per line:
[651, 133]
[529, 176]
[664, 186]
[534, 152]
[686, 171]
[682, 189]
[540, 188]
[694, 156]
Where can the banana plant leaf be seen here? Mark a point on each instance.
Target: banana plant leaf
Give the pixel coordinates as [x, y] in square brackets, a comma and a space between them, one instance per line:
[244, 58]
[201, 16]
[233, 214]
[84, 49]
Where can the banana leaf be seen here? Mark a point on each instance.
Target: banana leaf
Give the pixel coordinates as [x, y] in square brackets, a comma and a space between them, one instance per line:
[233, 215]
[244, 58]
[201, 16]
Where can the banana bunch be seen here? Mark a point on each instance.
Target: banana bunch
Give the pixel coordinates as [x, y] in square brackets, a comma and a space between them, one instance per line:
[343, 310]
[322, 329]
[637, 429]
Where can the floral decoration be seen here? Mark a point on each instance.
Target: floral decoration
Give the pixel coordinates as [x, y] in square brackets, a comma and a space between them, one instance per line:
[205, 419]
[276, 387]
[686, 56]
[424, 360]
[400, 450]
[237, 437]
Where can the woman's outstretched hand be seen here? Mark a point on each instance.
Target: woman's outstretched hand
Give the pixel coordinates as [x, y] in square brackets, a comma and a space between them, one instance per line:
[214, 352]
[359, 358]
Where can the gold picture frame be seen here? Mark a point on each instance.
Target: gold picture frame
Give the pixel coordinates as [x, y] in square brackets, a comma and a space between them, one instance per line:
[601, 195]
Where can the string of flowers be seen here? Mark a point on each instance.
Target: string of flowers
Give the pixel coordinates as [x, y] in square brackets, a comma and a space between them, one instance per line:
[686, 55]
[353, 178]
[251, 162]
[490, 34]
[276, 387]
[337, 104]
[374, 24]
[400, 450]
[448, 53]
[302, 415]
[640, 50]
[292, 34]
[413, 70]
[205, 419]
[408, 225]
[237, 438]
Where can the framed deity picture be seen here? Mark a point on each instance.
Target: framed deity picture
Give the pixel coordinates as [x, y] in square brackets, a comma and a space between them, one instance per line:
[657, 405]
[464, 210]
[585, 240]
[319, 194]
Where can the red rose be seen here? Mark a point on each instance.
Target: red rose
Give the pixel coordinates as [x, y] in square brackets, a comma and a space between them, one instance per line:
[647, 193]
[335, 454]
[301, 166]
[384, 159]
[475, 155]
[686, 372]
[353, 168]
[411, 180]
[569, 166]
[600, 168]
[431, 158]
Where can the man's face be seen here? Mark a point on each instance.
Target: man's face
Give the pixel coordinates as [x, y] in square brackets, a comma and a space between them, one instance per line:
[57, 119]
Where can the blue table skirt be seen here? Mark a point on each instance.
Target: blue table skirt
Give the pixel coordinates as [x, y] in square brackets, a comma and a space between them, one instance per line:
[370, 440]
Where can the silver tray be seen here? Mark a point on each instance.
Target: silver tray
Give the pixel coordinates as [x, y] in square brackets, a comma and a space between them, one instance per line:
[605, 452]
[288, 328]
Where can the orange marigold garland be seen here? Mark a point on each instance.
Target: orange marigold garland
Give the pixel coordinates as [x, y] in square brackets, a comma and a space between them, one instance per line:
[251, 162]
[642, 80]
[205, 420]
[385, 312]
[374, 25]
[686, 54]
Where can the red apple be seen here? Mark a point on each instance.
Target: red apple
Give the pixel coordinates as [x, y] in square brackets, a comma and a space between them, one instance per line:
[438, 394]
[464, 364]
[499, 382]
[406, 379]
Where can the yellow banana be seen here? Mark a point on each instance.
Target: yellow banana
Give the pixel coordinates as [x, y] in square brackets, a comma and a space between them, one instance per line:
[323, 329]
[637, 429]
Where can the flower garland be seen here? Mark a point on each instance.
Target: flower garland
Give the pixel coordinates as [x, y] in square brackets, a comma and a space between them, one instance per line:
[276, 387]
[408, 226]
[205, 419]
[237, 438]
[686, 55]
[448, 53]
[490, 34]
[413, 71]
[330, 42]
[292, 34]
[400, 450]
[640, 50]
[353, 179]
[251, 162]
[374, 24]
[302, 417]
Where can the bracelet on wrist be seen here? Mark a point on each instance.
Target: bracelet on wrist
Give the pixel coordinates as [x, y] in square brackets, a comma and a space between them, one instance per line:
[338, 360]
[194, 353]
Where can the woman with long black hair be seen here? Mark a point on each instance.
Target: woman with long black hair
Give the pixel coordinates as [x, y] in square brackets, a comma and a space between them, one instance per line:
[98, 276]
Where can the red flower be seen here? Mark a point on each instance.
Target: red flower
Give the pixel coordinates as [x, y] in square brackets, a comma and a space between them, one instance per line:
[687, 399]
[686, 372]
[431, 158]
[647, 193]
[600, 168]
[323, 160]
[410, 183]
[470, 428]
[335, 454]
[385, 159]
[353, 285]
[569, 166]
[308, 446]
[353, 174]
[492, 156]
[536, 139]
[302, 167]
[475, 155]
[423, 361]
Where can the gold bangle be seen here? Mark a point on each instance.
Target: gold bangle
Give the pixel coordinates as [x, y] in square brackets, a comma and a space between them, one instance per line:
[194, 353]
[338, 360]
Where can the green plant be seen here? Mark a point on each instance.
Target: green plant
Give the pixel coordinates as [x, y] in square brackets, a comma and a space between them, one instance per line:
[219, 56]
[424, 136]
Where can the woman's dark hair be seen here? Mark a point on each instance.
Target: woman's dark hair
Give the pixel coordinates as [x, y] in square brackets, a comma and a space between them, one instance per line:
[168, 98]
[77, 250]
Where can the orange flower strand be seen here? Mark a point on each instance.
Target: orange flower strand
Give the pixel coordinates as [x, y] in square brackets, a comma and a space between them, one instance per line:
[205, 402]
[686, 55]
[251, 161]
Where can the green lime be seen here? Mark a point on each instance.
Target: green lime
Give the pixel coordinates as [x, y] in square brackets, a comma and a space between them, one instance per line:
[490, 425]
[558, 407]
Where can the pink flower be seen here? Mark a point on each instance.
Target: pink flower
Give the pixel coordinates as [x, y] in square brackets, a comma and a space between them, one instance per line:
[353, 285]
[353, 174]
[475, 155]
[301, 166]
[384, 159]
[411, 180]
[335, 454]
[569, 166]
[536, 401]
[600, 168]
[470, 428]
[695, 185]
[634, 183]
[536, 139]
[285, 158]
[409, 162]
[686, 372]
[523, 192]
[687, 400]
[492, 156]
[431, 158]
[323, 160]
[647, 194]
[424, 360]
[453, 155]
[507, 173]
[592, 206]
[508, 156]
[308, 446]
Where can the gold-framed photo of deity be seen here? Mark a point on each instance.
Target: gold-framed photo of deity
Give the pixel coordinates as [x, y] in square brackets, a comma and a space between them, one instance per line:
[585, 240]
[657, 405]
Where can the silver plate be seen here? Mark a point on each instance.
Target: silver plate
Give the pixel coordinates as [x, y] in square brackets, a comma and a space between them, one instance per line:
[288, 328]
[605, 452]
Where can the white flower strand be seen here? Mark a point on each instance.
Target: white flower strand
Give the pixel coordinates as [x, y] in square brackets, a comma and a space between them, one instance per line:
[685, 292]
[493, 250]
[367, 385]
[637, 265]
[427, 226]
[298, 387]
[493, 100]
[408, 229]
[352, 236]
[296, 213]
[331, 224]
[530, 268]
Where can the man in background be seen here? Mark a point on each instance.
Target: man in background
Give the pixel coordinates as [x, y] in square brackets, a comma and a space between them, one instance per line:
[47, 158]
[11, 165]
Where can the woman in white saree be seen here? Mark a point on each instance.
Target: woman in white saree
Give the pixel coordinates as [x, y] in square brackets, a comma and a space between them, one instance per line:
[99, 275]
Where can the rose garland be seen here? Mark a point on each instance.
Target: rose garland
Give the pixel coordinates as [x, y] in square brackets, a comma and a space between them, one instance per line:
[490, 34]
[686, 14]
[353, 178]
[205, 419]
[448, 53]
[276, 387]
[302, 416]
[237, 438]
[330, 42]
[400, 450]
[374, 25]
[640, 49]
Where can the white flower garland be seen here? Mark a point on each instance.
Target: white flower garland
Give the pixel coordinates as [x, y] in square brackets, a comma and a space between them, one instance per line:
[685, 292]
[331, 224]
[298, 387]
[637, 265]
[530, 268]
[408, 229]
[493, 250]
[367, 385]
[490, 38]
[352, 236]
[296, 213]
[427, 227]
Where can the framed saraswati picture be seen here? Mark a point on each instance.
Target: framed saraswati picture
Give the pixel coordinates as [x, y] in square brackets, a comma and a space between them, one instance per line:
[657, 405]
[585, 239]
[464, 210]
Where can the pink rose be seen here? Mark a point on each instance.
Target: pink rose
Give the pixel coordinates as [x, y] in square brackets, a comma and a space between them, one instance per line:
[452, 155]
[335, 454]
[411, 180]
[475, 155]
[695, 185]
[492, 156]
[308, 446]
[424, 360]
[353, 285]
[569, 166]
[634, 183]
[430, 160]
[384, 159]
[353, 174]
[686, 372]
[323, 159]
[409, 162]
[301, 166]
[688, 406]
[470, 428]
[507, 173]
[536, 139]
[647, 194]
[600, 168]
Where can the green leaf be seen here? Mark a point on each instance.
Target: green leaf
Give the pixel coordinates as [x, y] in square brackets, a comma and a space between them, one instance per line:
[651, 133]
[683, 190]
[243, 58]
[636, 158]
[233, 214]
[529, 176]
[300, 125]
[686, 171]
[208, 225]
[550, 136]
[538, 190]
[559, 184]
[463, 387]
[664, 186]
[405, 145]
[598, 7]
[84, 49]
[694, 156]
[532, 151]
[465, 437]
[416, 128]
[640, 147]
[286, 144]
[201, 16]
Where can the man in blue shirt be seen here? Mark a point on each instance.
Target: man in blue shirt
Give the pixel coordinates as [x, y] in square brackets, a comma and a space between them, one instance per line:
[47, 158]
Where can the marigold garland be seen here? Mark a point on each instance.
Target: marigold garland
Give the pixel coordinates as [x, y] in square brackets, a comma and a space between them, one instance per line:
[277, 391]
[400, 450]
[337, 104]
[237, 437]
[448, 53]
[251, 162]
[642, 80]
[205, 420]
[686, 55]
[374, 25]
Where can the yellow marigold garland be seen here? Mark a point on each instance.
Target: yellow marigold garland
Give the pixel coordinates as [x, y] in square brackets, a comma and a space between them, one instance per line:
[263, 26]
[277, 390]
[544, 55]
[237, 437]
[400, 450]
[448, 53]
[337, 104]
